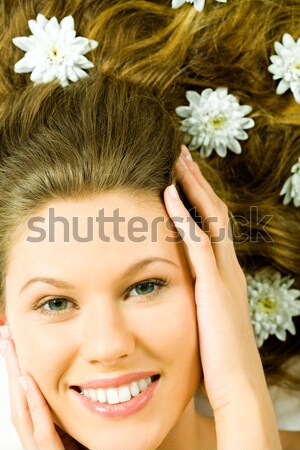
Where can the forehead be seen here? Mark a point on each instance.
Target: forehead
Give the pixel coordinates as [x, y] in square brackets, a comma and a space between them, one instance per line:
[112, 225]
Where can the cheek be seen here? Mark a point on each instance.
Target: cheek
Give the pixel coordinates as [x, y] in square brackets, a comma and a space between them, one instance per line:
[171, 330]
[40, 351]
[175, 331]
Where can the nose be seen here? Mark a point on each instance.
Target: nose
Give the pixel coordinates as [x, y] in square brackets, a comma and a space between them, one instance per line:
[106, 335]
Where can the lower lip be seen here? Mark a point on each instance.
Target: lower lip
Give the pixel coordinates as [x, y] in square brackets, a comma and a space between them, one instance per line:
[121, 409]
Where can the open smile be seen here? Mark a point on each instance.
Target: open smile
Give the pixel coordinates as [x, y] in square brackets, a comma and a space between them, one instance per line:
[120, 401]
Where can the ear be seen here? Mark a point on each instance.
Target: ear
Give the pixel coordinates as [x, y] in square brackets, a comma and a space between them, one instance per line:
[2, 319]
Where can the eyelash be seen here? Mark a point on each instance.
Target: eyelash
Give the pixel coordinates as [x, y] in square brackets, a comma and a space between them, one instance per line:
[160, 283]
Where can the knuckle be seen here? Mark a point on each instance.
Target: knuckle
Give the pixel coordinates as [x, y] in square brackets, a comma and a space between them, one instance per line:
[223, 208]
[194, 167]
[205, 241]
[183, 177]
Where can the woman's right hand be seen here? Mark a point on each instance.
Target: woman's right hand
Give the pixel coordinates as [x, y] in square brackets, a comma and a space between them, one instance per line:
[30, 413]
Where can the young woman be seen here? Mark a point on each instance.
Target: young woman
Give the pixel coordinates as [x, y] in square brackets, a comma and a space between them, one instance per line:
[104, 299]
[112, 311]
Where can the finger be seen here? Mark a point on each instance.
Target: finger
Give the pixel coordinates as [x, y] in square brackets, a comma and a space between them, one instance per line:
[195, 169]
[210, 206]
[214, 214]
[45, 434]
[220, 232]
[19, 410]
[197, 242]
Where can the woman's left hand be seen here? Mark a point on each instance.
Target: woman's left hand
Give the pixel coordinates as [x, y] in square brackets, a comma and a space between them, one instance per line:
[233, 375]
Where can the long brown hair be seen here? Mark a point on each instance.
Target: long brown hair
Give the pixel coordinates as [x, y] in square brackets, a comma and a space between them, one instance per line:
[165, 52]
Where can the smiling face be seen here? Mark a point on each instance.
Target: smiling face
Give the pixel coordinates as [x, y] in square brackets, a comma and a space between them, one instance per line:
[122, 308]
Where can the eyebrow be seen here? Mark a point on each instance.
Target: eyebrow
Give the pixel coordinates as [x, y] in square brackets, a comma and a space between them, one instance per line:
[64, 285]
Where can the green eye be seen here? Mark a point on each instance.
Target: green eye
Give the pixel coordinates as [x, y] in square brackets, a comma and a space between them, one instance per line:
[57, 304]
[147, 288]
[144, 288]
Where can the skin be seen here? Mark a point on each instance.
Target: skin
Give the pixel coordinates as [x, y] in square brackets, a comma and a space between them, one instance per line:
[112, 333]
[109, 335]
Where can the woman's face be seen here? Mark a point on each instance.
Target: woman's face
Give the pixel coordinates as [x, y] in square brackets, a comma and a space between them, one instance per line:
[119, 303]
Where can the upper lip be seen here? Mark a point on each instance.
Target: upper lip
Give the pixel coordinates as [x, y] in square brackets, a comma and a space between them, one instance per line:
[122, 380]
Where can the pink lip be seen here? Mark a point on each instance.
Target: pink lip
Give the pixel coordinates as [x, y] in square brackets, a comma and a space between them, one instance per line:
[115, 382]
[120, 410]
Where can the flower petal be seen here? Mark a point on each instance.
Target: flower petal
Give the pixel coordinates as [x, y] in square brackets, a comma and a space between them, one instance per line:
[193, 97]
[287, 40]
[177, 3]
[183, 111]
[23, 43]
[282, 87]
[37, 74]
[41, 20]
[67, 24]
[199, 5]
[36, 29]
[23, 66]
[295, 88]
[52, 26]
[93, 44]
[234, 146]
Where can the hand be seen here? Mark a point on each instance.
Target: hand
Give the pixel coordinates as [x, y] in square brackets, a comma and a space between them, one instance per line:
[233, 375]
[30, 413]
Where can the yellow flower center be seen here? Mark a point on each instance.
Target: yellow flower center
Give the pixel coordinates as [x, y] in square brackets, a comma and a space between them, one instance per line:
[267, 304]
[218, 121]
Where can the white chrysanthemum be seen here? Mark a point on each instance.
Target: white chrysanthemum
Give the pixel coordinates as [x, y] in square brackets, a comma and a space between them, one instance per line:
[214, 120]
[286, 66]
[199, 4]
[291, 188]
[272, 304]
[53, 52]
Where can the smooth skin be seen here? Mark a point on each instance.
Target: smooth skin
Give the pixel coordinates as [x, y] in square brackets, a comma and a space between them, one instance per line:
[233, 377]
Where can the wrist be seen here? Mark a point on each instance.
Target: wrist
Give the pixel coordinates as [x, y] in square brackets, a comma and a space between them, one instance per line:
[248, 422]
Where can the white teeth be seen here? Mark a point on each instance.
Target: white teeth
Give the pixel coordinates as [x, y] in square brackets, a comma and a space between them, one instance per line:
[134, 389]
[118, 395]
[112, 396]
[124, 394]
[101, 394]
[142, 384]
[86, 393]
[93, 394]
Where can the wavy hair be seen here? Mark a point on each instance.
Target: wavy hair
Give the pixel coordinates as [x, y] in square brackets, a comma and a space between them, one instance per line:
[148, 56]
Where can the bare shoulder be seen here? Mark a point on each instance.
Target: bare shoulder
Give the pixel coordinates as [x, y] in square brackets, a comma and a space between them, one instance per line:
[290, 440]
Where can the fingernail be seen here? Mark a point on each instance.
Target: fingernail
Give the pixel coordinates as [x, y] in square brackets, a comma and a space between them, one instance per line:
[182, 163]
[4, 348]
[173, 192]
[24, 383]
[185, 153]
[5, 332]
